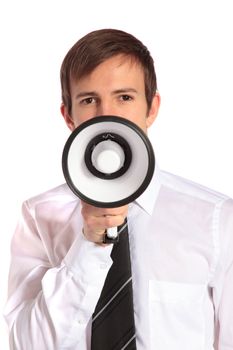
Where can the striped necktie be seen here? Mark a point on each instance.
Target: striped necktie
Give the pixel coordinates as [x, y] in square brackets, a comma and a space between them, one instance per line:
[113, 320]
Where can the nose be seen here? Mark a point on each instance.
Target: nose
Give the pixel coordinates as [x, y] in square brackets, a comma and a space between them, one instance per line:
[106, 108]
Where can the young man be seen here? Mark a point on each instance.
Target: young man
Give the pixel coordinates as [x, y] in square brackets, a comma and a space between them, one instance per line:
[181, 234]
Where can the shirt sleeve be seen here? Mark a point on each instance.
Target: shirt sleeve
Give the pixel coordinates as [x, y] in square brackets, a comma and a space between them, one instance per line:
[223, 284]
[49, 307]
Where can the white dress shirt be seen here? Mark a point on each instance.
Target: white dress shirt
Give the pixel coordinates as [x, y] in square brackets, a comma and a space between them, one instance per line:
[181, 241]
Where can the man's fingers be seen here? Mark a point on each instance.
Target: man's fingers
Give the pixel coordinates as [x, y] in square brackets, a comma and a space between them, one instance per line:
[97, 220]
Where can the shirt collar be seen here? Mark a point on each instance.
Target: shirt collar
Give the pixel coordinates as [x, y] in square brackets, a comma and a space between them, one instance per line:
[148, 198]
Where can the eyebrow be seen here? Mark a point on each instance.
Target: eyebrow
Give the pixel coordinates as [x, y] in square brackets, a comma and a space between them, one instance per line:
[86, 93]
[94, 93]
[125, 90]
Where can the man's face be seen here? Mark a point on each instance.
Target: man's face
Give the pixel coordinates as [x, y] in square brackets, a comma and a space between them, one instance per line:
[115, 87]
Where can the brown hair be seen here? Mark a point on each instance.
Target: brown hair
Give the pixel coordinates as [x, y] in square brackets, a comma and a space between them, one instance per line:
[97, 46]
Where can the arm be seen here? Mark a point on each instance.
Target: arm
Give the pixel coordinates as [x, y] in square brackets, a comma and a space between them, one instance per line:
[49, 306]
[223, 284]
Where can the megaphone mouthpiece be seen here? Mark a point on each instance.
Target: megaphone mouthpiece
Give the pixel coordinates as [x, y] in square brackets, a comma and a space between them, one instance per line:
[108, 157]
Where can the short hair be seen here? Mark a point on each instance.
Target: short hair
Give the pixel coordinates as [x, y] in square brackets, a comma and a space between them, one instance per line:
[96, 47]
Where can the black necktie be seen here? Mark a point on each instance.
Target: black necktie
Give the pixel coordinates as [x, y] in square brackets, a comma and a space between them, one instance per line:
[113, 320]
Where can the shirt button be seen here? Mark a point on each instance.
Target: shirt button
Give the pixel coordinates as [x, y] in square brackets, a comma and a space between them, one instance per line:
[80, 321]
[103, 266]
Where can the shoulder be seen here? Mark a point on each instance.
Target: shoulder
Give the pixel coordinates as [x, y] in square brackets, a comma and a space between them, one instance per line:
[57, 197]
[191, 189]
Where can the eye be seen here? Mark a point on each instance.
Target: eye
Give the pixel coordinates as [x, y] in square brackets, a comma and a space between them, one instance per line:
[88, 100]
[126, 98]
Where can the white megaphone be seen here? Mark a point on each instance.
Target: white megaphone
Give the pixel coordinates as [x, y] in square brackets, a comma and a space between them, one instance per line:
[108, 162]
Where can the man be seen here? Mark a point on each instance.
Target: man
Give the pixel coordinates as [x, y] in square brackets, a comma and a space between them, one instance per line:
[181, 234]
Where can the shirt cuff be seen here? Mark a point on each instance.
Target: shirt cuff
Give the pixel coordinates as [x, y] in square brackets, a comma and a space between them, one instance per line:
[88, 261]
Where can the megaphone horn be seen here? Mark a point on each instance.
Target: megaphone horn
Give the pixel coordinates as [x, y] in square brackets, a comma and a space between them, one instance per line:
[108, 162]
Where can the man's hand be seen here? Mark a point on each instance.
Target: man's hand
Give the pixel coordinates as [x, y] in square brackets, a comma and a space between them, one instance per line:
[97, 220]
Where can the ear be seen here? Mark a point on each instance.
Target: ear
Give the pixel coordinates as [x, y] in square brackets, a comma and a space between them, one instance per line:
[68, 119]
[153, 112]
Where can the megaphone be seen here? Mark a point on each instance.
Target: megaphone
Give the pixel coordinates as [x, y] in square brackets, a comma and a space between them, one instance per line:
[108, 162]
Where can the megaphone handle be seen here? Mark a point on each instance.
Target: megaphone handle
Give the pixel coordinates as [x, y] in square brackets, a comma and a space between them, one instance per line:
[111, 235]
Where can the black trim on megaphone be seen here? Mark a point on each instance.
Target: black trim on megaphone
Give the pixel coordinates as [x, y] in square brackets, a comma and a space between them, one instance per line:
[115, 138]
[138, 131]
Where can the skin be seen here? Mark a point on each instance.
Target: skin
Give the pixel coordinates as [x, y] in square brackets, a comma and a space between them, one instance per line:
[115, 87]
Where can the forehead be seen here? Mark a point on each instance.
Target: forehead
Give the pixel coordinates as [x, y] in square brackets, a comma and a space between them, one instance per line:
[124, 66]
[113, 63]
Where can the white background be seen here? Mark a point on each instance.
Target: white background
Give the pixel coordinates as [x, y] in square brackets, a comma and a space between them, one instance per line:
[191, 42]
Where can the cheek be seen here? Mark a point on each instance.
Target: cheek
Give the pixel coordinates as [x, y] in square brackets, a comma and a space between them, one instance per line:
[81, 115]
[140, 121]
[78, 119]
